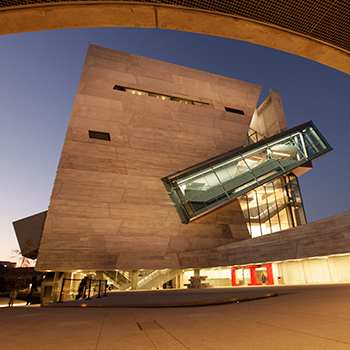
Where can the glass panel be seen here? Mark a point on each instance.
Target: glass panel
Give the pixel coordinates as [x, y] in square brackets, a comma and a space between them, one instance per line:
[255, 230]
[285, 219]
[301, 214]
[274, 206]
[181, 100]
[253, 137]
[212, 183]
[315, 139]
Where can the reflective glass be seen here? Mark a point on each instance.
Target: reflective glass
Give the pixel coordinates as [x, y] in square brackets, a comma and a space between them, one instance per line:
[273, 207]
[211, 184]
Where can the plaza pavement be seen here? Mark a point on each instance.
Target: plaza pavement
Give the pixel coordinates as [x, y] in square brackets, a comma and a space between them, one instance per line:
[298, 317]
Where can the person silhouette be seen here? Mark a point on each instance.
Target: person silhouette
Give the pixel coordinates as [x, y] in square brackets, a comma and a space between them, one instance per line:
[13, 296]
[82, 288]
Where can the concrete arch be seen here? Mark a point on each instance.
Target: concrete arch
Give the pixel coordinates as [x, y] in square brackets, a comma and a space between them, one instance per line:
[61, 15]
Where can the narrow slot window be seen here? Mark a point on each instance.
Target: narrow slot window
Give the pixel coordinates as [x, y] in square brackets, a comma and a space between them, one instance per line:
[98, 135]
[120, 88]
[182, 100]
[160, 96]
[233, 110]
[137, 92]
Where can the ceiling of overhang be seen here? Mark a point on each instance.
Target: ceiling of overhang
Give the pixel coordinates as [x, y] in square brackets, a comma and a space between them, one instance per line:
[325, 20]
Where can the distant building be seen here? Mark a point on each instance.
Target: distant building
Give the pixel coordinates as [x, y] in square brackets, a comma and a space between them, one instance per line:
[167, 167]
[4, 265]
[21, 278]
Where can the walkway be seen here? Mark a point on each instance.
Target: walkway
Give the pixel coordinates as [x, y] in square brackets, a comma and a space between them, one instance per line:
[299, 317]
[170, 298]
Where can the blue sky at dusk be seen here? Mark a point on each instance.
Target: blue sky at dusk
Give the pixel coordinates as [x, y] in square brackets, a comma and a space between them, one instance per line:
[40, 72]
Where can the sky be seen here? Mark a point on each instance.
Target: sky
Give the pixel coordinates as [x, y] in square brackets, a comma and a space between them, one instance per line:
[39, 76]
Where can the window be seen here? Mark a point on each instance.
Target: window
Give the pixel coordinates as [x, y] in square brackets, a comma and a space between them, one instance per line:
[99, 135]
[253, 137]
[120, 88]
[210, 184]
[160, 96]
[233, 110]
[275, 206]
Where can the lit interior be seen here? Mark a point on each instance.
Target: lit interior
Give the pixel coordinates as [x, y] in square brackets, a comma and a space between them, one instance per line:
[208, 185]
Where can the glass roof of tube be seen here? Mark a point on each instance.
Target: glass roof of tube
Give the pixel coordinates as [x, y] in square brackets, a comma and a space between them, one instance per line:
[204, 187]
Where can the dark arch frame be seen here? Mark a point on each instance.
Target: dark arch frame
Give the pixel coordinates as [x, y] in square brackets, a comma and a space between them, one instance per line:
[317, 30]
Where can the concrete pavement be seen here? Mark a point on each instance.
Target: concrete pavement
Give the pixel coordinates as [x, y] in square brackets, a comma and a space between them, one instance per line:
[299, 317]
[4, 302]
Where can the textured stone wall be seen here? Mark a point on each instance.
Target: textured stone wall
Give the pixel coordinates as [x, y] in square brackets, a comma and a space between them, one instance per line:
[320, 238]
[109, 208]
[269, 118]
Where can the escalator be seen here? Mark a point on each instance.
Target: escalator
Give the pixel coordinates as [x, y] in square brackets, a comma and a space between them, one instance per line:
[147, 279]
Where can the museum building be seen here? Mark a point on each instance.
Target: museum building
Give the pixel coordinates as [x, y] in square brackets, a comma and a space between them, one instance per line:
[166, 169]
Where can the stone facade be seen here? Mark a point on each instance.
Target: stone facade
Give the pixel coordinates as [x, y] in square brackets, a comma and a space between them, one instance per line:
[109, 208]
[324, 237]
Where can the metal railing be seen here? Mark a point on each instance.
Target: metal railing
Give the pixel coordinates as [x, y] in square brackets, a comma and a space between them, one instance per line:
[92, 287]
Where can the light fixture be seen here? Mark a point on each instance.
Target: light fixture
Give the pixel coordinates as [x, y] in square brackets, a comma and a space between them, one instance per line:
[192, 177]
[228, 162]
[281, 154]
[255, 151]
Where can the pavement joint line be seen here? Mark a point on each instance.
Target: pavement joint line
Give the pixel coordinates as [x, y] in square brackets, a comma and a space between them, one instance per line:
[159, 325]
[305, 333]
[163, 305]
[102, 325]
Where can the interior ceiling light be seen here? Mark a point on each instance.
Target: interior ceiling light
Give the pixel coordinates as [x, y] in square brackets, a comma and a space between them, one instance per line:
[281, 154]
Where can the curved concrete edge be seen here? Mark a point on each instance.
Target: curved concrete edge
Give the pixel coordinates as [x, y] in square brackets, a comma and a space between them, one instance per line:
[165, 305]
[254, 32]
[58, 16]
[87, 15]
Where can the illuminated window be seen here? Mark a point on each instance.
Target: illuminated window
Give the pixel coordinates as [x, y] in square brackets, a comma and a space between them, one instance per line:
[160, 96]
[274, 206]
[253, 137]
[203, 187]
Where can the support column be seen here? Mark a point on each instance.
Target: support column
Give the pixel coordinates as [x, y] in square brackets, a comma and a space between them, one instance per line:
[197, 272]
[269, 274]
[253, 279]
[134, 274]
[233, 277]
[57, 285]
